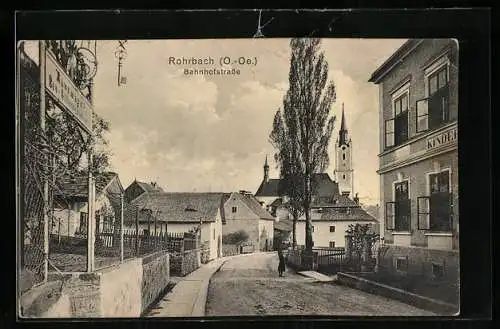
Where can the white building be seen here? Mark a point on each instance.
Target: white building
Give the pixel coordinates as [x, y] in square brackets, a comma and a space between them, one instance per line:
[70, 215]
[179, 213]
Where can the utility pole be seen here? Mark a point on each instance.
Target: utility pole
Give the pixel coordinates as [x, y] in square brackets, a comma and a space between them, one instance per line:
[45, 171]
[91, 198]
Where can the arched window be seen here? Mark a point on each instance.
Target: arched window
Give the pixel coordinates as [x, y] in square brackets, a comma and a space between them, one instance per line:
[343, 176]
[343, 156]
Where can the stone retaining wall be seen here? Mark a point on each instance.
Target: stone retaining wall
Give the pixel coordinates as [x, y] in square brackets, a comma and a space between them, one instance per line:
[123, 290]
[155, 276]
[433, 305]
[181, 264]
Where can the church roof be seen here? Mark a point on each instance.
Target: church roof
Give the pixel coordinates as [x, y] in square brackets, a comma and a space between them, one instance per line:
[269, 188]
[343, 125]
[322, 185]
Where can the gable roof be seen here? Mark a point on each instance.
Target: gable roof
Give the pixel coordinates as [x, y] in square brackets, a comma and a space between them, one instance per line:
[148, 187]
[253, 204]
[321, 184]
[333, 201]
[77, 185]
[338, 214]
[178, 207]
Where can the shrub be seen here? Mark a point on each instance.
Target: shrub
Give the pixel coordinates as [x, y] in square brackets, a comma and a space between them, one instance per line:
[236, 238]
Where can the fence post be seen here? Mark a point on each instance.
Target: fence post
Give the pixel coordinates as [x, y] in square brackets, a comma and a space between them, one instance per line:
[136, 230]
[121, 227]
[41, 59]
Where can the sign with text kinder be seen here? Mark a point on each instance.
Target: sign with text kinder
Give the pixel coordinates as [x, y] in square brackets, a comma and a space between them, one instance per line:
[65, 93]
[443, 138]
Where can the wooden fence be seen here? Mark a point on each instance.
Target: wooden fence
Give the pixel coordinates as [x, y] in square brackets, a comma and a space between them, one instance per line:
[140, 244]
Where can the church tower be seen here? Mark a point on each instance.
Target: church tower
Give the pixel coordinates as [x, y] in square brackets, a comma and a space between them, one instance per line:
[343, 173]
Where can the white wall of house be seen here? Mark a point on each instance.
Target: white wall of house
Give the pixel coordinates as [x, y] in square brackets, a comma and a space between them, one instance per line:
[322, 235]
[212, 233]
[67, 221]
[266, 231]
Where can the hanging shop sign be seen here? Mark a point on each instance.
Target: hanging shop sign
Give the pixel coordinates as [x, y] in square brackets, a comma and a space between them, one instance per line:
[63, 90]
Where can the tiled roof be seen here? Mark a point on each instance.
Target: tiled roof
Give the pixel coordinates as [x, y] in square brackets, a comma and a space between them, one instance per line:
[178, 207]
[351, 214]
[335, 201]
[148, 187]
[321, 183]
[76, 186]
[254, 205]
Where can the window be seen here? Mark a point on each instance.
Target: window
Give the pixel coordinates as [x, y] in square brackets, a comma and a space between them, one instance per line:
[437, 270]
[312, 228]
[234, 209]
[145, 232]
[343, 156]
[332, 228]
[396, 129]
[83, 223]
[332, 244]
[343, 176]
[398, 212]
[434, 110]
[434, 210]
[402, 264]
[214, 234]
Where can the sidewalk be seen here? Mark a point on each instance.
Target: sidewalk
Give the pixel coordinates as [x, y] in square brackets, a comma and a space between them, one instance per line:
[318, 276]
[189, 296]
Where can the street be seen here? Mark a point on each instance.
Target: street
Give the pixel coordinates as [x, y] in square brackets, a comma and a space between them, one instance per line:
[250, 285]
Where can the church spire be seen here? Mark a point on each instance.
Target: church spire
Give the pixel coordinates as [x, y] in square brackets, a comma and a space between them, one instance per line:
[266, 170]
[343, 140]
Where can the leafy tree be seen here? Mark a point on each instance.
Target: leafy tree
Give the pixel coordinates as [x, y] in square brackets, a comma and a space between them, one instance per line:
[360, 237]
[68, 143]
[302, 129]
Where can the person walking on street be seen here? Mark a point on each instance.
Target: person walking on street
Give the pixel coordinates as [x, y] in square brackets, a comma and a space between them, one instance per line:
[281, 265]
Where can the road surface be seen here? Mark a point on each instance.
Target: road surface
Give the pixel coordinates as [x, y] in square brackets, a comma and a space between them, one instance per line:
[250, 285]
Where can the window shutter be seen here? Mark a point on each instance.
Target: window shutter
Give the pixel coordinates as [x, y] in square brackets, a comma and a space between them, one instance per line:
[423, 211]
[390, 212]
[422, 114]
[389, 133]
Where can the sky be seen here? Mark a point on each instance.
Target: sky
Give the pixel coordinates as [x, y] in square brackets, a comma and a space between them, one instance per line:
[196, 133]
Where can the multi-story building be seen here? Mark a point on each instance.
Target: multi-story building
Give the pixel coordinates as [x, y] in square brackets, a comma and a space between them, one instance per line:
[418, 99]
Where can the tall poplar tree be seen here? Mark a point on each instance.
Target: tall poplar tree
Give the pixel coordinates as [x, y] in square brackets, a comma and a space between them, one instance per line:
[302, 129]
